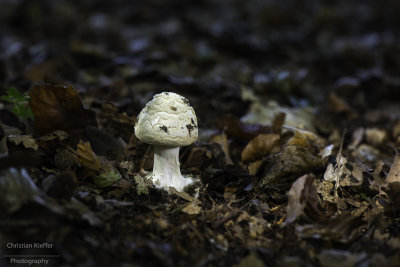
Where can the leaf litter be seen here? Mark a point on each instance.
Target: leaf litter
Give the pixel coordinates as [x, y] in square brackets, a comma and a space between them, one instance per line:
[274, 86]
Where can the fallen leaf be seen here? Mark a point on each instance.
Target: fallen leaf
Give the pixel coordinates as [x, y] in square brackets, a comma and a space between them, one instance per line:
[295, 204]
[107, 178]
[192, 209]
[259, 147]
[394, 173]
[58, 107]
[262, 113]
[86, 157]
[254, 167]
[222, 140]
[290, 163]
[142, 184]
[303, 199]
[26, 140]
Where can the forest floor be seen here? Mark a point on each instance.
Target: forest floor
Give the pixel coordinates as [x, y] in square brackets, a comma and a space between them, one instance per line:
[298, 108]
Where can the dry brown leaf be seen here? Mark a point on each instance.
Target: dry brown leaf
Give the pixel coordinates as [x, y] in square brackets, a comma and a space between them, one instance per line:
[192, 209]
[303, 138]
[26, 140]
[394, 173]
[223, 141]
[259, 147]
[58, 107]
[303, 199]
[295, 204]
[254, 167]
[86, 157]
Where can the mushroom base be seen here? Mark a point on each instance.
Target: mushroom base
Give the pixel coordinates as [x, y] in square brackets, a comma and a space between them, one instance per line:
[166, 169]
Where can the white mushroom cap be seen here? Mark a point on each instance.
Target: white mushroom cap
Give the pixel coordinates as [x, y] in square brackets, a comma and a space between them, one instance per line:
[167, 120]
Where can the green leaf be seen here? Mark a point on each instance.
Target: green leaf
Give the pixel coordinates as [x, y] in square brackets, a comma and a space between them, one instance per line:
[21, 108]
[107, 178]
[7, 98]
[17, 95]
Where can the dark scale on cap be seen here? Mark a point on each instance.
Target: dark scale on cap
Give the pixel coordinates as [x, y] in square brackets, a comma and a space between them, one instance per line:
[190, 128]
[173, 108]
[185, 101]
[194, 124]
[164, 128]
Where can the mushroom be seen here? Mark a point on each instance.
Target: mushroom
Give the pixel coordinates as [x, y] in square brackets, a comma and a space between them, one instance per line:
[167, 122]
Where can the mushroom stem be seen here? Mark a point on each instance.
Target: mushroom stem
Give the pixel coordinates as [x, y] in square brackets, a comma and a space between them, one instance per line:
[166, 168]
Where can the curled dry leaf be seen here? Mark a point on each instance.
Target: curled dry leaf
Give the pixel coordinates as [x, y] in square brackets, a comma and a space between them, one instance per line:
[86, 157]
[295, 204]
[394, 173]
[26, 140]
[58, 107]
[303, 199]
[259, 147]
[300, 155]
[104, 172]
[222, 140]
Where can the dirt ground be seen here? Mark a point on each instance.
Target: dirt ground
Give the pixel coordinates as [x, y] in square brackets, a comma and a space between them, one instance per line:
[296, 161]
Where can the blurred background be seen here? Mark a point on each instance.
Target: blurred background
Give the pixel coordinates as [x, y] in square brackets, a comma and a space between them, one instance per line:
[294, 52]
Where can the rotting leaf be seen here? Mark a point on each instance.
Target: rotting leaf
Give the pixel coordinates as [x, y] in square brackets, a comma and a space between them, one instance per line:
[142, 184]
[265, 113]
[192, 208]
[58, 107]
[335, 170]
[295, 204]
[222, 140]
[260, 146]
[290, 163]
[26, 140]
[107, 178]
[394, 173]
[303, 199]
[104, 172]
